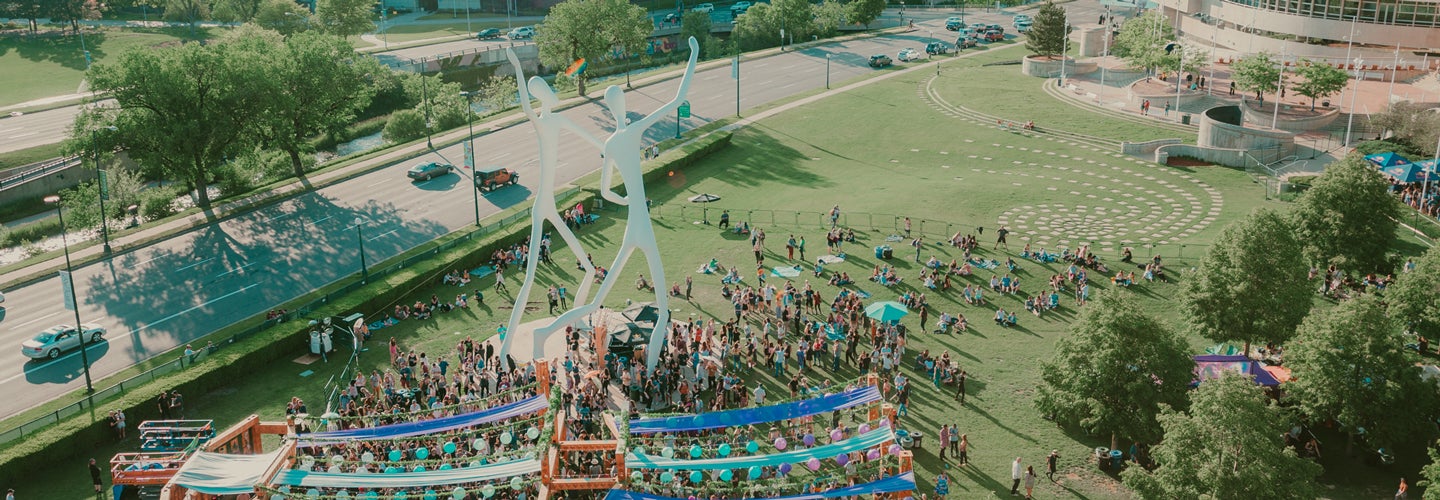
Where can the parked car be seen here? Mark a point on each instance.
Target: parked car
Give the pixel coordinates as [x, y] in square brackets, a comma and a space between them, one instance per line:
[954, 23]
[521, 32]
[907, 54]
[934, 48]
[994, 27]
[994, 35]
[880, 61]
[487, 33]
[1022, 27]
[672, 18]
[1021, 18]
[704, 7]
[739, 8]
[56, 339]
[978, 27]
[966, 33]
[492, 178]
[965, 42]
[427, 171]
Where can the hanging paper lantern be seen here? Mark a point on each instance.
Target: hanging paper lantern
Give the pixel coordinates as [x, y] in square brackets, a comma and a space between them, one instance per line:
[667, 476]
[785, 468]
[372, 495]
[419, 468]
[809, 439]
[422, 453]
[755, 472]
[488, 491]
[895, 449]
[780, 443]
[639, 451]
[401, 496]
[475, 463]
[532, 433]
[342, 495]
[445, 467]
[842, 459]
[696, 477]
[395, 455]
[864, 428]
[636, 476]
[696, 451]
[726, 475]
[873, 454]
[429, 495]
[752, 446]
[813, 463]
[307, 461]
[724, 450]
[312, 492]
[667, 452]
[449, 448]
[506, 437]
[392, 470]
[516, 483]
[367, 457]
[835, 435]
[477, 445]
[885, 422]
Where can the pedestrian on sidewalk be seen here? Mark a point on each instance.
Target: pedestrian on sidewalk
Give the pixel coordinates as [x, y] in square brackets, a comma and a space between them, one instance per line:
[1167, 108]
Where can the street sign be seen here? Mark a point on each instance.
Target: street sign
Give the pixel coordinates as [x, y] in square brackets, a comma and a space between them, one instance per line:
[67, 290]
[685, 109]
[104, 185]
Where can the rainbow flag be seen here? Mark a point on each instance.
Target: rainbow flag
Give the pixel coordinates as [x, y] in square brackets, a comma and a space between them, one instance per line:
[577, 67]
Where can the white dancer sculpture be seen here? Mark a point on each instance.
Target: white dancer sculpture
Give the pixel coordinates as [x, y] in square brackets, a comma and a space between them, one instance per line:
[547, 123]
[622, 152]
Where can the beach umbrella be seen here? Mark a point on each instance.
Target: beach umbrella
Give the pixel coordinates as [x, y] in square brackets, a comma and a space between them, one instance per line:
[886, 311]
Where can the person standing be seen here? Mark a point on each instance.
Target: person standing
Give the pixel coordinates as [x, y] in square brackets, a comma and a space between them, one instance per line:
[1051, 463]
[177, 405]
[907, 227]
[944, 438]
[1030, 482]
[954, 440]
[500, 280]
[164, 400]
[960, 388]
[919, 245]
[800, 245]
[554, 297]
[1000, 238]
[942, 484]
[689, 283]
[120, 423]
[790, 248]
[1403, 492]
[1015, 475]
[97, 479]
[964, 449]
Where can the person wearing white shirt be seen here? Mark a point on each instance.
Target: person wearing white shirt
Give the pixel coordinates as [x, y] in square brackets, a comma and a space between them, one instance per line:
[1015, 475]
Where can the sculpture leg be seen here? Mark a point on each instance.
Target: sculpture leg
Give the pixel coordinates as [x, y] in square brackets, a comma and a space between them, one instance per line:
[662, 300]
[574, 243]
[574, 315]
[537, 222]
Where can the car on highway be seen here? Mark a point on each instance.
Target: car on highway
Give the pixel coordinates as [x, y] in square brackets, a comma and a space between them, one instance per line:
[521, 32]
[934, 48]
[739, 8]
[880, 61]
[704, 7]
[430, 170]
[907, 54]
[492, 178]
[60, 338]
[487, 33]
[965, 42]
[954, 23]
[672, 18]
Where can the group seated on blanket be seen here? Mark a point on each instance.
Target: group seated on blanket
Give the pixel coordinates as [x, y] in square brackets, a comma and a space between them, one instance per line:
[1042, 256]
[742, 228]
[913, 301]
[929, 280]
[1005, 284]
[575, 217]
[930, 364]
[959, 269]
[642, 284]
[1122, 279]
[456, 277]
[1006, 319]
[948, 323]
[973, 294]
[1041, 303]
[1085, 258]
[934, 263]
[983, 263]
[712, 267]
[966, 242]
[841, 279]
[884, 275]
[731, 277]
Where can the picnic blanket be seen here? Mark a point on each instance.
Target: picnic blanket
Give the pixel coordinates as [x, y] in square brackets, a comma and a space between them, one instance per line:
[863, 294]
[894, 237]
[786, 272]
[832, 259]
[482, 271]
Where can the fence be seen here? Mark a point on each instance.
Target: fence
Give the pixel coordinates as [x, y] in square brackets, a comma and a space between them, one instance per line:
[39, 171]
[90, 403]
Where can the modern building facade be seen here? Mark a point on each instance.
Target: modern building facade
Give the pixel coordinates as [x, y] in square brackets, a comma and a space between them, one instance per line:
[1318, 24]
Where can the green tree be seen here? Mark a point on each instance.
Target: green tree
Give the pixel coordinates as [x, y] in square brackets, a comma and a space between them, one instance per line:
[72, 11]
[187, 11]
[1350, 365]
[235, 11]
[1415, 297]
[182, 110]
[829, 16]
[1414, 125]
[316, 83]
[283, 16]
[1430, 475]
[1347, 217]
[698, 25]
[1142, 39]
[864, 12]
[1229, 447]
[1256, 73]
[404, 125]
[1115, 370]
[625, 28]
[1251, 286]
[570, 32]
[82, 202]
[498, 92]
[761, 26]
[29, 10]
[1047, 35]
[344, 18]
[1319, 80]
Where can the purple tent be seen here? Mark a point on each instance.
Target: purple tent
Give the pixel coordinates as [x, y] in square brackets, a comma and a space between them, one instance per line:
[1212, 366]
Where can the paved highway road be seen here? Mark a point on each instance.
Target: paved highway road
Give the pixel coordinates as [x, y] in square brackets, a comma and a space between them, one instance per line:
[36, 129]
[165, 295]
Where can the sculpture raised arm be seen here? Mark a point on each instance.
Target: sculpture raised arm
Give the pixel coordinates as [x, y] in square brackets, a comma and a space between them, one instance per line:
[670, 107]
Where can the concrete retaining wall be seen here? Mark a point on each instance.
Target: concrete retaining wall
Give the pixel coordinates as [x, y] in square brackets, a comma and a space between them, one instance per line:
[1306, 124]
[1220, 127]
[1219, 156]
[1146, 148]
[1051, 69]
[51, 183]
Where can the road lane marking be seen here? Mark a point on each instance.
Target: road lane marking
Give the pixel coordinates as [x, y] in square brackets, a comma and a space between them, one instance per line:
[206, 303]
[278, 217]
[242, 267]
[23, 135]
[195, 264]
[379, 183]
[386, 233]
[323, 219]
[42, 318]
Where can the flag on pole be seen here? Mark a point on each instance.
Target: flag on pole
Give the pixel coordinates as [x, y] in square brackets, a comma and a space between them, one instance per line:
[469, 156]
[577, 67]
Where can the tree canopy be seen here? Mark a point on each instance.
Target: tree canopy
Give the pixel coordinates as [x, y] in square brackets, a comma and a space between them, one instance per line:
[1142, 39]
[1228, 447]
[1047, 34]
[761, 26]
[1347, 217]
[864, 12]
[1115, 370]
[1414, 125]
[588, 29]
[345, 18]
[1256, 73]
[1415, 296]
[1350, 365]
[1319, 80]
[1251, 286]
[283, 16]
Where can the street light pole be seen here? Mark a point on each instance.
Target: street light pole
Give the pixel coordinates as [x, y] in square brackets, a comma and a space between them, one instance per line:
[104, 187]
[470, 141]
[360, 237]
[425, 99]
[1394, 67]
[1350, 122]
[468, 30]
[70, 279]
[827, 71]
[1279, 88]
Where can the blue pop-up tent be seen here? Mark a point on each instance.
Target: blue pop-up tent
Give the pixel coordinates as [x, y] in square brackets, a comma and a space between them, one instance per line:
[1212, 366]
[1390, 159]
[1404, 172]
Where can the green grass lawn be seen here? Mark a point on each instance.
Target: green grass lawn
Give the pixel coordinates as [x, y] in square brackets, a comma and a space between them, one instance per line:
[909, 160]
[411, 32]
[36, 67]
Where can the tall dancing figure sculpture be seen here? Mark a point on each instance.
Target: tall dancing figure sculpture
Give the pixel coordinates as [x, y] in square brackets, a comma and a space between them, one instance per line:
[547, 123]
[622, 152]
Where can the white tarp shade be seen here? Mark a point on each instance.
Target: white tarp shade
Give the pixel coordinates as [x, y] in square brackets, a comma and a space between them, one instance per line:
[462, 475]
[224, 474]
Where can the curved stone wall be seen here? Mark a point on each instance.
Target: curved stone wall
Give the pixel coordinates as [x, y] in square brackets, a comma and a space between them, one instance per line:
[1305, 124]
[1220, 127]
[1051, 69]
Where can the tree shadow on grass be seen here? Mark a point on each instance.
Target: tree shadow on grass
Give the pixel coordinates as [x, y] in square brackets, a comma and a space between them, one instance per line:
[753, 159]
[56, 48]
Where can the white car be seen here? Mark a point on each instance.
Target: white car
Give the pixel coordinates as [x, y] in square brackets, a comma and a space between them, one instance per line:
[908, 54]
[56, 339]
[740, 7]
[521, 32]
[704, 7]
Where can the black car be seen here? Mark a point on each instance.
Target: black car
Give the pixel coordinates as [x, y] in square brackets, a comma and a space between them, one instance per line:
[934, 48]
[880, 61]
[427, 171]
[487, 33]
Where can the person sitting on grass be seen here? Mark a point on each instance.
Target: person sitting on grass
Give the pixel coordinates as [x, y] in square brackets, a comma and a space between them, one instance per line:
[713, 267]
[1000, 317]
[731, 277]
[675, 290]
[933, 263]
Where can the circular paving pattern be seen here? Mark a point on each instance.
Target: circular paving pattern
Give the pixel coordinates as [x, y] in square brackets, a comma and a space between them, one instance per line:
[1109, 201]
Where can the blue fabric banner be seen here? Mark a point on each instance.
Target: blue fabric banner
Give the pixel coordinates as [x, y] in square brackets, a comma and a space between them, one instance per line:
[747, 416]
[868, 440]
[407, 479]
[409, 429]
[903, 482]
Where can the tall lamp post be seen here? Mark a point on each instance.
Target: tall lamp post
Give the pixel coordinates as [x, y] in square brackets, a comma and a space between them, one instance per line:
[1350, 122]
[425, 99]
[360, 237]
[827, 71]
[69, 280]
[104, 188]
[470, 153]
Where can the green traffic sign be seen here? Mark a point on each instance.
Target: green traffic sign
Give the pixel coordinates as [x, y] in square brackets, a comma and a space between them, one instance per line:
[685, 109]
